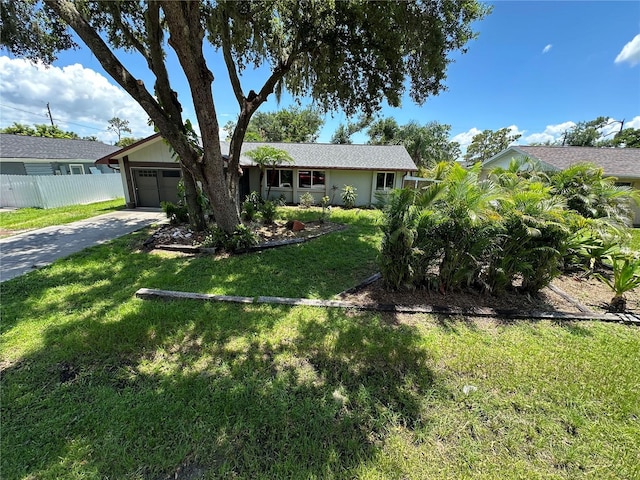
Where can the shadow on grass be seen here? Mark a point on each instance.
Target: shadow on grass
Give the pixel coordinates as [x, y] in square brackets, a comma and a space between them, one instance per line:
[119, 387]
[255, 392]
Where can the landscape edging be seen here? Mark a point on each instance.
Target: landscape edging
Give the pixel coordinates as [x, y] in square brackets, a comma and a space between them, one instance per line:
[151, 293]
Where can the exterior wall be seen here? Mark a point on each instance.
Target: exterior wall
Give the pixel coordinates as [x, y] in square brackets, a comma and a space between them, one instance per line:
[47, 167]
[155, 152]
[363, 180]
[12, 168]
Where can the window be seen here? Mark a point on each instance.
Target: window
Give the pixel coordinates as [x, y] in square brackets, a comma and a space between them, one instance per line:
[76, 169]
[385, 180]
[311, 178]
[280, 178]
[171, 173]
[623, 184]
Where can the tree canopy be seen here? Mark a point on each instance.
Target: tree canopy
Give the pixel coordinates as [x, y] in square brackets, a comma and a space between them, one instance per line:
[42, 130]
[488, 143]
[345, 55]
[290, 125]
[118, 126]
[427, 144]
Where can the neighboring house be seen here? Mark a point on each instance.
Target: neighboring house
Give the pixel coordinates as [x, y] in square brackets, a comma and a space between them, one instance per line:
[622, 163]
[150, 173]
[24, 155]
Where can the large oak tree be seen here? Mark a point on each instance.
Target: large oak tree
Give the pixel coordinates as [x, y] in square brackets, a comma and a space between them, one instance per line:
[351, 55]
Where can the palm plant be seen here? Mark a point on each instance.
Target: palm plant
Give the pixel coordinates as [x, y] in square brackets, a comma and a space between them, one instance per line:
[592, 195]
[626, 277]
[532, 240]
[398, 252]
[467, 221]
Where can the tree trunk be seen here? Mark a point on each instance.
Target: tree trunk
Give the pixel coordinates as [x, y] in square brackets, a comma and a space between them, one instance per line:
[196, 214]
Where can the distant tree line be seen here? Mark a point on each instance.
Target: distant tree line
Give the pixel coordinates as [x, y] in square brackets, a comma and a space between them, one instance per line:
[116, 125]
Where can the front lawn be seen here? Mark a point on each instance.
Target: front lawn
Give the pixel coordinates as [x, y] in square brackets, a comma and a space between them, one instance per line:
[30, 218]
[99, 384]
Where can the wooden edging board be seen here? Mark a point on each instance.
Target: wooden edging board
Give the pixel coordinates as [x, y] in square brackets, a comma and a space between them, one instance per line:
[150, 293]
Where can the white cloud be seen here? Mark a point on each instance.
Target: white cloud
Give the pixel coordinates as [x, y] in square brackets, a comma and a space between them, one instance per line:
[551, 133]
[633, 123]
[630, 52]
[464, 138]
[79, 98]
[547, 48]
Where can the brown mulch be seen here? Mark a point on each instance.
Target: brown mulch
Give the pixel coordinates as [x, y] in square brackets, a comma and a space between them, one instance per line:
[589, 292]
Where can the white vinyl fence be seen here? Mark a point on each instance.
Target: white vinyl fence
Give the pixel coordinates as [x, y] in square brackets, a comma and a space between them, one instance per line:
[49, 191]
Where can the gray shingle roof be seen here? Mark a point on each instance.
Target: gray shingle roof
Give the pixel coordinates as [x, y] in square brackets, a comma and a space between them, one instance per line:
[332, 156]
[619, 162]
[21, 146]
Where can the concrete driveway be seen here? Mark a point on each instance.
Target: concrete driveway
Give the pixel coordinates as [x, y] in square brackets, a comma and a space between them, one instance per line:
[34, 249]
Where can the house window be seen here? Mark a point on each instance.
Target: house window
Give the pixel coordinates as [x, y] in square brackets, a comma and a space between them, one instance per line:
[385, 180]
[623, 184]
[76, 169]
[311, 178]
[280, 178]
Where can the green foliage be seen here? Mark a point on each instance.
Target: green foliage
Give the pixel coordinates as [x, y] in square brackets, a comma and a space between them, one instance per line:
[585, 134]
[326, 209]
[249, 210]
[398, 253]
[39, 130]
[343, 133]
[351, 56]
[462, 232]
[175, 213]
[32, 32]
[592, 195]
[268, 211]
[268, 157]
[626, 273]
[426, 144]
[626, 277]
[241, 239]
[126, 141]
[290, 125]
[628, 138]
[349, 195]
[488, 143]
[306, 200]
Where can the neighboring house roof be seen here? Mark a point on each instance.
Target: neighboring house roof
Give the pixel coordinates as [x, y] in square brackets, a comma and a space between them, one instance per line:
[311, 155]
[619, 162]
[44, 148]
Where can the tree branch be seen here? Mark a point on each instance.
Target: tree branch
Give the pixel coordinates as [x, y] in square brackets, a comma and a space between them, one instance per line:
[228, 59]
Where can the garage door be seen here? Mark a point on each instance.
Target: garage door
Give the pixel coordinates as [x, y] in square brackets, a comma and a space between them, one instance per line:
[154, 186]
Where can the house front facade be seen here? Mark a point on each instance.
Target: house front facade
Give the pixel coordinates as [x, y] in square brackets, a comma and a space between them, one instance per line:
[24, 155]
[621, 163]
[150, 173]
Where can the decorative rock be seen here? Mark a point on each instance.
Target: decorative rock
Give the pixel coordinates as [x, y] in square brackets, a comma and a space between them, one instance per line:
[297, 226]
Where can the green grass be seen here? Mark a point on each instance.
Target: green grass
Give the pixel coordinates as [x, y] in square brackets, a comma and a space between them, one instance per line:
[99, 384]
[30, 218]
[635, 239]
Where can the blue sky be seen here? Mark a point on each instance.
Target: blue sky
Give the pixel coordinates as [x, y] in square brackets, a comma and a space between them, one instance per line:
[537, 67]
